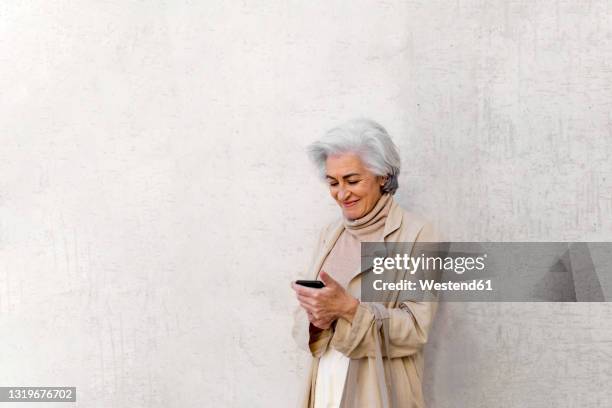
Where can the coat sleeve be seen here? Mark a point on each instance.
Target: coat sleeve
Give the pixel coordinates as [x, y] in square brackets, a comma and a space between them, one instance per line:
[408, 330]
[408, 324]
[307, 336]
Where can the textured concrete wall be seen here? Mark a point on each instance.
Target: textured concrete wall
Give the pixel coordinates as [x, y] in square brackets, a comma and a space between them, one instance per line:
[155, 200]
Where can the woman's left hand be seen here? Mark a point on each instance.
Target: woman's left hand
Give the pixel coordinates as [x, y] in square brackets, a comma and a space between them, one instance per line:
[326, 304]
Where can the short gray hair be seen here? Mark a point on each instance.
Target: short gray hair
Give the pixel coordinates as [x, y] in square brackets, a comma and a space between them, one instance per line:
[365, 138]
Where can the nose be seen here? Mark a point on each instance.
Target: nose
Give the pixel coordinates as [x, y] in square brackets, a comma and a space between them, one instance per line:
[342, 194]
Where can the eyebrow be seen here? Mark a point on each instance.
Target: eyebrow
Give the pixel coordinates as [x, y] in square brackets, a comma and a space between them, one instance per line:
[344, 177]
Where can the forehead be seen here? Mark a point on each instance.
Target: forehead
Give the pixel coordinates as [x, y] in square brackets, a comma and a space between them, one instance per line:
[345, 163]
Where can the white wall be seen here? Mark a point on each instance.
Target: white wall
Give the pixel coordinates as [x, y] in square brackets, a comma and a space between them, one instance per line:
[155, 198]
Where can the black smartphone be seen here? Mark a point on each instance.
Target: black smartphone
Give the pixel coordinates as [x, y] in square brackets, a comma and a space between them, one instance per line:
[317, 284]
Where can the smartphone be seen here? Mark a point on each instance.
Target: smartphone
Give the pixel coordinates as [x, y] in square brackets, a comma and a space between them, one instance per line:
[317, 284]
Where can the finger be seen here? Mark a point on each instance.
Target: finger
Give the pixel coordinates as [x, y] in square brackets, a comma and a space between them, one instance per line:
[307, 300]
[327, 280]
[320, 296]
[322, 320]
[321, 323]
[298, 288]
[307, 306]
[304, 291]
[313, 310]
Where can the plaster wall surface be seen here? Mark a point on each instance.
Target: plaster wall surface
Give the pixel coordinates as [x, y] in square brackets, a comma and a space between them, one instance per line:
[156, 201]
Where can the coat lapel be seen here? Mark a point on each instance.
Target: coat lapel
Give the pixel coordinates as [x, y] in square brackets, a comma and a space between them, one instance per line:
[330, 241]
[394, 220]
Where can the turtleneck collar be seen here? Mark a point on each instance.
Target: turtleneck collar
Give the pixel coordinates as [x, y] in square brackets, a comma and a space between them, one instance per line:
[373, 220]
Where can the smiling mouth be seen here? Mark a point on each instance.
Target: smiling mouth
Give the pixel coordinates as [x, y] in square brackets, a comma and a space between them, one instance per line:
[349, 204]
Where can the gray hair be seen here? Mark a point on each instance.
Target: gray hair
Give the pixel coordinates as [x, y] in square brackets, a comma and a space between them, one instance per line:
[365, 138]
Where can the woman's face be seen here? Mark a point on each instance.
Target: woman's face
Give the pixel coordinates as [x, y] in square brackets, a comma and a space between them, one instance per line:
[355, 188]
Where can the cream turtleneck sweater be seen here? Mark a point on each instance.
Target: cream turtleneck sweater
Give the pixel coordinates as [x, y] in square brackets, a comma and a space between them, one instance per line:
[343, 263]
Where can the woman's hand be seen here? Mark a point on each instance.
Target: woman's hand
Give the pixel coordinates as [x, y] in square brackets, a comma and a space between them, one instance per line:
[327, 304]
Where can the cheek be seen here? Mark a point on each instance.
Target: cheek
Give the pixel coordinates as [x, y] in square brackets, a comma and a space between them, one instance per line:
[370, 191]
[364, 190]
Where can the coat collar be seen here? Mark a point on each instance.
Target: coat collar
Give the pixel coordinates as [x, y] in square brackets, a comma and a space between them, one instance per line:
[394, 220]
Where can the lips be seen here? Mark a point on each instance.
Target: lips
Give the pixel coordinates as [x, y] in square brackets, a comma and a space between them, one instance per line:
[349, 204]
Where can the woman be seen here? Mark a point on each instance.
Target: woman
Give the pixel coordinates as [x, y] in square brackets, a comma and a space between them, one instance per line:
[353, 343]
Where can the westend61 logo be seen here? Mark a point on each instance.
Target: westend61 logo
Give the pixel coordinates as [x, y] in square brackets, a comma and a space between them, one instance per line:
[458, 265]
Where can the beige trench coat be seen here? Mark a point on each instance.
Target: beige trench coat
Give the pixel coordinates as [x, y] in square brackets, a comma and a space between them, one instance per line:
[363, 340]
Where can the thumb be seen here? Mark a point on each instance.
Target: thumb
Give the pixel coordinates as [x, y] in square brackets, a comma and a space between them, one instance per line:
[326, 279]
